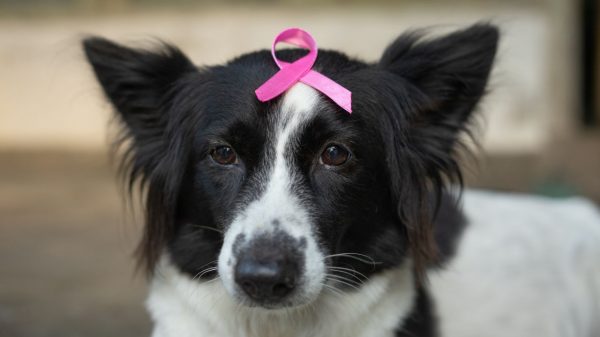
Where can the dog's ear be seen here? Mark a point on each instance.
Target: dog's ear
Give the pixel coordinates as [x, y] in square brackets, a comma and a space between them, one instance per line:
[452, 70]
[437, 84]
[137, 82]
[141, 84]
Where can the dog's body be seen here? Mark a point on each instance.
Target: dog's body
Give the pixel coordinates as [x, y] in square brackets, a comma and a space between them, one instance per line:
[293, 218]
[526, 266]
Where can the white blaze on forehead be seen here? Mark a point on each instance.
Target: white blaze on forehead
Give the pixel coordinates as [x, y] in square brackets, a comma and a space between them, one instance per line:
[280, 207]
[297, 108]
[279, 201]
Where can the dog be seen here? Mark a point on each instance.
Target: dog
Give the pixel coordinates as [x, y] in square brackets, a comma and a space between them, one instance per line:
[294, 218]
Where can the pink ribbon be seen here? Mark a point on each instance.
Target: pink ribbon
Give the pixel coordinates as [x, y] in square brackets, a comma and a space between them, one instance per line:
[300, 71]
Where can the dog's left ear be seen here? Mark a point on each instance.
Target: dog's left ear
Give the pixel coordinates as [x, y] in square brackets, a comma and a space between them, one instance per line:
[451, 71]
[435, 84]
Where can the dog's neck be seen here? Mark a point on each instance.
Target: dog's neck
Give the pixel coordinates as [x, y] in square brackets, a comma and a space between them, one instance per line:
[387, 305]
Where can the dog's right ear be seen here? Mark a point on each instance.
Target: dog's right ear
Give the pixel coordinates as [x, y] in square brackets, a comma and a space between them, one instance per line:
[138, 83]
[141, 85]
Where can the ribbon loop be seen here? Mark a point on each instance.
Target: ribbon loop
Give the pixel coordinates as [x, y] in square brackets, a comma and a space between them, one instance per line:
[301, 71]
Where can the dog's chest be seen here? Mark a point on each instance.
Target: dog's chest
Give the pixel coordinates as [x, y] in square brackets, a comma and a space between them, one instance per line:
[181, 307]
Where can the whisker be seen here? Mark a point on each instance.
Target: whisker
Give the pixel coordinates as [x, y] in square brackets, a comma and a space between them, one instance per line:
[352, 270]
[207, 264]
[201, 272]
[204, 272]
[353, 287]
[207, 228]
[333, 290]
[345, 281]
[349, 272]
[341, 277]
[356, 256]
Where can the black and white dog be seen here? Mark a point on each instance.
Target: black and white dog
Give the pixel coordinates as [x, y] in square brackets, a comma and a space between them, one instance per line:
[293, 218]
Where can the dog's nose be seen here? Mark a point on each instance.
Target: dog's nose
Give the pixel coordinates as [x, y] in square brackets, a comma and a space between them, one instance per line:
[266, 279]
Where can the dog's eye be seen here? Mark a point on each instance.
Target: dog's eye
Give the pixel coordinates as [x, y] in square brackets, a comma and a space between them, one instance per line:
[334, 155]
[223, 155]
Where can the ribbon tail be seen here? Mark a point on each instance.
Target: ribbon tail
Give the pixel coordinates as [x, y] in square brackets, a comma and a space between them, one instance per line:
[337, 93]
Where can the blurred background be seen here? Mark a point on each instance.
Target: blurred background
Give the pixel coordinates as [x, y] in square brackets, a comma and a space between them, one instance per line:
[66, 236]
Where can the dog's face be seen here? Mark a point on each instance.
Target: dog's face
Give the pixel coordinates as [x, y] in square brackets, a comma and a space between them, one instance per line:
[288, 176]
[286, 199]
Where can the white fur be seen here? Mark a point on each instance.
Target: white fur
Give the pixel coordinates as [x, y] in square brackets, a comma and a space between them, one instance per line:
[279, 202]
[527, 266]
[182, 307]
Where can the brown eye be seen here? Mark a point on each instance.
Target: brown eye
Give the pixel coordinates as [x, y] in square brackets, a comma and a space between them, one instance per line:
[223, 155]
[334, 155]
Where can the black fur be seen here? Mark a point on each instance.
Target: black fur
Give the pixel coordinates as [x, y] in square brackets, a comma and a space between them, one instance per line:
[409, 110]
[421, 321]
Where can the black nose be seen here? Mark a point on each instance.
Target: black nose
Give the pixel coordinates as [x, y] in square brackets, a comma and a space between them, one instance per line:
[266, 280]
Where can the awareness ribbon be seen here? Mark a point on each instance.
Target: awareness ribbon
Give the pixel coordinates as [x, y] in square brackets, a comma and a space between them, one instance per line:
[300, 71]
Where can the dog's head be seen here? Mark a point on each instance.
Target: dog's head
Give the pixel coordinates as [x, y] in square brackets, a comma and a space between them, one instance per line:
[284, 198]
